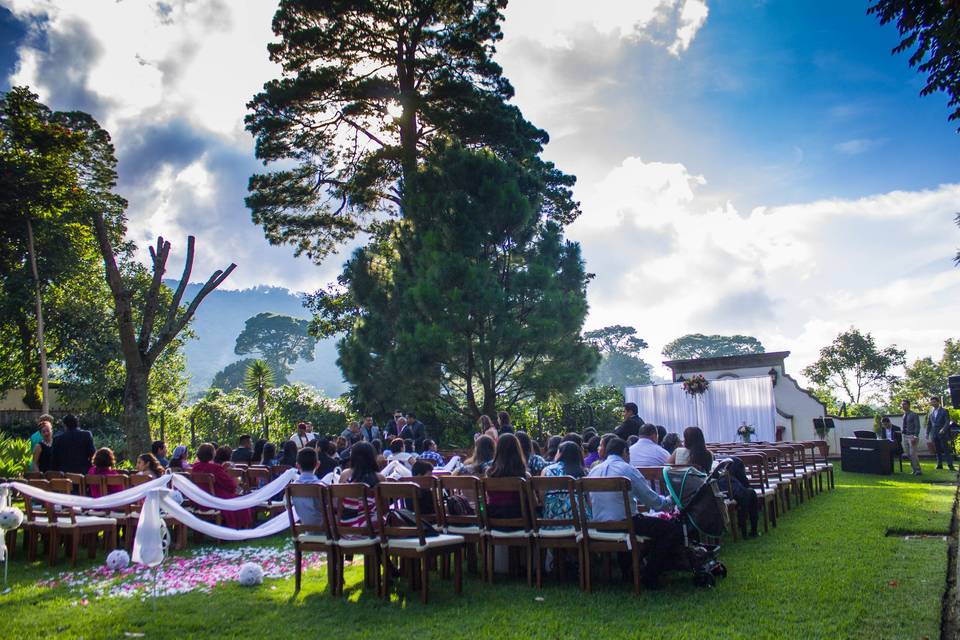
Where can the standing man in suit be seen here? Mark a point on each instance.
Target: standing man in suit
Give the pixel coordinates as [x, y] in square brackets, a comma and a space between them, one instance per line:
[414, 430]
[631, 422]
[393, 427]
[369, 430]
[911, 436]
[938, 430]
[73, 449]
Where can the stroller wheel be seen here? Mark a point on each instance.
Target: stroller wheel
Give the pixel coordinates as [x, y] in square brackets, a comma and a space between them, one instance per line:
[720, 570]
[704, 580]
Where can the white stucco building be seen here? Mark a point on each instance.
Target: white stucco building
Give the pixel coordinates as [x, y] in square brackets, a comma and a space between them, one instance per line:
[796, 407]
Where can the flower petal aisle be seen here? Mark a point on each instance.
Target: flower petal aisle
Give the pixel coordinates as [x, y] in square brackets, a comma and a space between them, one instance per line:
[198, 570]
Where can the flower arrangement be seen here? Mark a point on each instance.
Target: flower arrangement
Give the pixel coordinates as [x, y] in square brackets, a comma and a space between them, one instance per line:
[745, 431]
[696, 385]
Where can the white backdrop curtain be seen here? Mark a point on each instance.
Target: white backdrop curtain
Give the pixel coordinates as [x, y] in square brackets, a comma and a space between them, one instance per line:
[718, 412]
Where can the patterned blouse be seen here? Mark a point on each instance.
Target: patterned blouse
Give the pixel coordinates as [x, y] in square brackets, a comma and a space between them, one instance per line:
[556, 504]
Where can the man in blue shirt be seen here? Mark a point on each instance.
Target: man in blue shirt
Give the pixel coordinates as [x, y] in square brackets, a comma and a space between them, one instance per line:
[430, 453]
[666, 535]
[159, 451]
[309, 510]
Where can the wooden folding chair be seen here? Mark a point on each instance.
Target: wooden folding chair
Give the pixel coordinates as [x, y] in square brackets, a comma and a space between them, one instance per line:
[468, 525]
[410, 542]
[256, 478]
[560, 534]
[756, 469]
[510, 532]
[62, 523]
[313, 537]
[654, 475]
[608, 536]
[355, 537]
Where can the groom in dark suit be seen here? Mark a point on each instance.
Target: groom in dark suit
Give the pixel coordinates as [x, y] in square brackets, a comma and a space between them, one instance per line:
[938, 430]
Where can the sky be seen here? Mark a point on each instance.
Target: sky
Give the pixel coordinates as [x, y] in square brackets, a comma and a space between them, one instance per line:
[757, 167]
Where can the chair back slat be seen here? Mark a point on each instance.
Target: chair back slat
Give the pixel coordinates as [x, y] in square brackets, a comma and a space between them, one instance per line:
[515, 486]
[654, 475]
[308, 491]
[467, 487]
[613, 484]
[562, 487]
[358, 520]
[203, 480]
[94, 485]
[408, 494]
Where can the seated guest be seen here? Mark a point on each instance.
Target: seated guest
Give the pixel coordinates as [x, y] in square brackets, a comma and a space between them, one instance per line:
[325, 457]
[149, 466]
[574, 438]
[486, 427]
[748, 503]
[589, 433]
[43, 450]
[72, 449]
[159, 451]
[243, 454]
[352, 433]
[103, 463]
[553, 443]
[224, 485]
[503, 423]
[670, 442]
[289, 457]
[508, 462]
[310, 510]
[222, 456]
[694, 451]
[661, 433]
[646, 452]
[363, 469]
[632, 440]
[268, 457]
[556, 504]
[430, 453]
[666, 535]
[425, 498]
[377, 446]
[593, 454]
[178, 461]
[535, 463]
[342, 444]
[398, 451]
[477, 464]
[258, 451]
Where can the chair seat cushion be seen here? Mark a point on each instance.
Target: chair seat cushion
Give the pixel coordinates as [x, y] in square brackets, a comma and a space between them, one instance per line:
[613, 536]
[314, 538]
[472, 529]
[442, 540]
[500, 533]
[351, 543]
[557, 532]
[90, 521]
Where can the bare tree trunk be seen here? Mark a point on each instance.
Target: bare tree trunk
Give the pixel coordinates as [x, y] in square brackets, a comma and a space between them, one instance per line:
[44, 382]
[136, 420]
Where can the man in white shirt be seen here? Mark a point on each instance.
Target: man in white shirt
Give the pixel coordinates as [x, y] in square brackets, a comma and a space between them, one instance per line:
[302, 436]
[646, 452]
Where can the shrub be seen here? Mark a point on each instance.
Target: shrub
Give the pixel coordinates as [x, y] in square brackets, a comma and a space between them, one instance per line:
[15, 456]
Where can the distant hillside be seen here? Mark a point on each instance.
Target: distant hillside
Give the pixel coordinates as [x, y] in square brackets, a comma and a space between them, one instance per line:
[219, 321]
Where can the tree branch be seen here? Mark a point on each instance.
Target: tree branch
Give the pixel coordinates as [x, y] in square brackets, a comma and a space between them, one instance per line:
[159, 257]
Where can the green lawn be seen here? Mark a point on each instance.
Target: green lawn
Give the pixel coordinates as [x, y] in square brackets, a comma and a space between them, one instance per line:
[828, 571]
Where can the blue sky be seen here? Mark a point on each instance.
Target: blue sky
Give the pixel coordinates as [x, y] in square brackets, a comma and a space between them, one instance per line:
[743, 167]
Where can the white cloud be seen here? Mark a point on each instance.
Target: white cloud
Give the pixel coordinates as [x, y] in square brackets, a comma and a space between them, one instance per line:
[856, 146]
[670, 262]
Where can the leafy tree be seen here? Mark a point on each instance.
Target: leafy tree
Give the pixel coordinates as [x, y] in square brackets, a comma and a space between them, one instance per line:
[620, 349]
[46, 247]
[231, 376]
[930, 29]
[926, 377]
[258, 380]
[696, 345]
[854, 364]
[281, 341]
[365, 87]
[475, 299]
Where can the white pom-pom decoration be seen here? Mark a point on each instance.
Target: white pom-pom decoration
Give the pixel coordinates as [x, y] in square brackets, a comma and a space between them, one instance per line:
[10, 518]
[118, 559]
[251, 574]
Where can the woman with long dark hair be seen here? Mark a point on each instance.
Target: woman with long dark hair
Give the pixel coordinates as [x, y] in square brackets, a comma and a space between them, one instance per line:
[507, 463]
[363, 469]
[694, 451]
[258, 451]
[535, 463]
[553, 443]
[556, 504]
[487, 427]
[289, 457]
[149, 466]
[483, 451]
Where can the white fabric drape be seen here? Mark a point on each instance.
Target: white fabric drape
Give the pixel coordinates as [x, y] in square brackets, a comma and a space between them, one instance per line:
[718, 412]
[148, 541]
[119, 499]
[263, 494]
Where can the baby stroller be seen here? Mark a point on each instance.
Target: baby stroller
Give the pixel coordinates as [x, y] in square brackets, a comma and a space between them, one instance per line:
[702, 515]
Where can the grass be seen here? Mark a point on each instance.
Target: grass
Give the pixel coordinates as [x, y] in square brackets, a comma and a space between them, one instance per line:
[829, 570]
